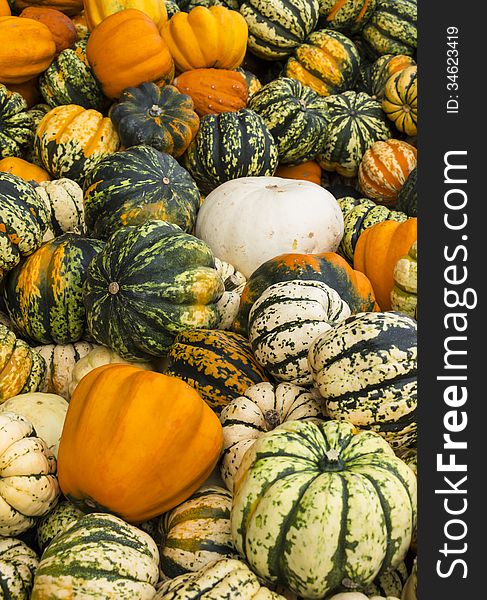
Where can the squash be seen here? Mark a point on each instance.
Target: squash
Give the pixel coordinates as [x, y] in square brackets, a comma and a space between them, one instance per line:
[346, 15]
[61, 27]
[400, 101]
[29, 90]
[391, 29]
[407, 198]
[404, 294]
[28, 485]
[373, 77]
[261, 408]
[411, 587]
[292, 491]
[63, 515]
[286, 319]
[4, 8]
[18, 564]
[97, 10]
[309, 170]
[159, 117]
[68, 7]
[229, 303]
[108, 411]
[37, 44]
[23, 169]
[248, 221]
[73, 561]
[64, 197]
[16, 124]
[205, 38]
[80, 24]
[115, 67]
[377, 251]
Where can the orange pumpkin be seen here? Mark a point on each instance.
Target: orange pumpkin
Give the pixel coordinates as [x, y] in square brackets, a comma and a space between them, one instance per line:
[62, 28]
[29, 90]
[23, 169]
[308, 171]
[214, 91]
[136, 443]
[4, 8]
[97, 10]
[68, 7]
[377, 251]
[206, 37]
[125, 50]
[26, 49]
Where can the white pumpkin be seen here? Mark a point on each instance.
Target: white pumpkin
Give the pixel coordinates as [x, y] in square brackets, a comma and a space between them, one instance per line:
[249, 220]
[64, 197]
[46, 412]
[229, 303]
[18, 564]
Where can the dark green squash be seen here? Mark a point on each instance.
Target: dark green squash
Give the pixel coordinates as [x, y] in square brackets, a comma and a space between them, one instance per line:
[407, 199]
[346, 15]
[373, 76]
[16, 124]
[391, 29]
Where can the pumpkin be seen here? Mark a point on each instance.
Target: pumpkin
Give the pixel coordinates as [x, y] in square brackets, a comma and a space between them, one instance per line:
[261, 408]
[63, 515]
[384, 169]
[97, 10]
[197, 532]
[404, 294]
[64, 197]
[149, 283]
[353, 287]
[61, 27]
[400, 101]
[29, 90]
[218, 364]
[109, 409]
[277, 28]
[356, 122]
[234, 283]
[309, 170]
[253, 83]
[16, 124]
[391, 29]
[23, 169]
[159, 117]
[229, 146]
[21, 368]
[346, 15]
[373, 77]
[407, 198]
[43, 293]
[214, 91]
[328, 62]
[73, 560]
[28, 485]
[205, 38]
[114, 66]
[291, 492]
[18, 563]
[4, 8]
[377, 251]
[295, 115]
[68, 7]
[70, 140]
[46, 412]
[136, 185]
[38, 49]
[286, 319]
[250, 220]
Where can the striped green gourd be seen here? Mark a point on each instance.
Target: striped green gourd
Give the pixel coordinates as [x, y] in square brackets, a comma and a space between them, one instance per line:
[99, 556]
[373, 76]
[295, 115]
[407, 199]
[277, 27]
[228, 146]
[16, 123]
[391, 29]
[18, 564]
[365, 368]
[197, 532]
[346, 15]
[404, 295]
[149, 283]
[63, 515]
[137, 185]
[318, 505]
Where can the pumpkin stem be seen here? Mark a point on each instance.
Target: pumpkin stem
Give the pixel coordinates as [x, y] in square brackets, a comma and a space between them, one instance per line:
[272, 419]
[113, 287]
[331, 461]
[155, 111]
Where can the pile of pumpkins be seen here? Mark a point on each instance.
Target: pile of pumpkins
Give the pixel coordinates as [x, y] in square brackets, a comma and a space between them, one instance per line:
[208, 277]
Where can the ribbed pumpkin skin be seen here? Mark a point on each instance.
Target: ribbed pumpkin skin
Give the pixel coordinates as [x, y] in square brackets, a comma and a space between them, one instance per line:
[57, 521]
[18, 564]
[101, 555]
[356, 122]
[16, 123]
[376, 389]
[346, 15]
[65, 197]
[197, 532]
[404, 295]
[276, 28]
[292, 492]
[295, 115]
[218, 364]
[160, 117]
[391, 29]
[400, 101]
[43, 294]
[229, 146]
[60, 26]
[97, 10]
[374, 76]
[137, 185]
[407, 198]
[328, 63]
[149, 283]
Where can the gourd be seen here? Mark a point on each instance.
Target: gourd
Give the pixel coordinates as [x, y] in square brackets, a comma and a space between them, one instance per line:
[96, 11]
[16, 124]
[18, 563]
[373, 77]
[234, 283]
[404, 296]
[62, 516]
[391, 29]
[346, 15]
[407, 198]
[64, 199]
[24, 169]
[61, 27]
[400, 101]
[68, 7]
[309, 170]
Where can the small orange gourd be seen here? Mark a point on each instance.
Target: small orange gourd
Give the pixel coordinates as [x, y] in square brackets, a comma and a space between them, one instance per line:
[23, 169]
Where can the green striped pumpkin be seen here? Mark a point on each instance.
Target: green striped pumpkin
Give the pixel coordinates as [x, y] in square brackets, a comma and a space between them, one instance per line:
[318, 506]
[63, 515]
[228, 146]
[391, 29]
[348, 203]
[295, 115]
[138, 185]
[149, 283]
[356, 122]
[346, 15]
[218, 364]
[404, 295]
[277, 27]
[365, 369]
[400, 102]
[197, 532]
[16, 124]
[407, 198]
[98, 556]
[43, 293]
[65, 200]
[374, 76]
[18, 563]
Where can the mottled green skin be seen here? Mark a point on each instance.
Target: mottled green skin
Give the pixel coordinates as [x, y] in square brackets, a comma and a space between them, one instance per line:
[162, 281]
[407, 199]
[24, 218]
[16, 124]
[187, 5]
[391, 29]
[276, 28]
[356, 122]
[57, 521]
[318, 505]
[373, 76]
[351, 17]
[228, 146]
[18, 564]
[137, 185]
[43, 294]
[172, 8]
[390, 583]
[295, 115]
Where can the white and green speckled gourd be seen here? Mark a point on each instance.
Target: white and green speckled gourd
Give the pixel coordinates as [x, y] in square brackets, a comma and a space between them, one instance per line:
[63, 515]
[404, 295]
[64, 199]
[18, 563]
[229, 303]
